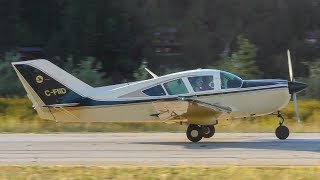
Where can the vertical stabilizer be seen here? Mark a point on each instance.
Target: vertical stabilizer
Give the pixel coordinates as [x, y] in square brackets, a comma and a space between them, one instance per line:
[47, 84]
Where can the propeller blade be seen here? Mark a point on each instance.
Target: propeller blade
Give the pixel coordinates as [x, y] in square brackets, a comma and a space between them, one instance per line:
[290, 66]
[295, 101]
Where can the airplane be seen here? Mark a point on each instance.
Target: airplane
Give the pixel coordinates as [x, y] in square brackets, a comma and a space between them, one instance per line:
[198, 98]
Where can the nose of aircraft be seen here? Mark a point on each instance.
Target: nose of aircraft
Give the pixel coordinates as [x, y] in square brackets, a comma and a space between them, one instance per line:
[295, 87]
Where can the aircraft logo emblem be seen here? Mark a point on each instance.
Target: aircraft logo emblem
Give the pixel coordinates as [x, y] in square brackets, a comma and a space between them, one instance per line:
[39, 79]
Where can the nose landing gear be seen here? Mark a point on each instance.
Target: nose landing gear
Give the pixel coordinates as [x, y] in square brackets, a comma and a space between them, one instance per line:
[282, 132]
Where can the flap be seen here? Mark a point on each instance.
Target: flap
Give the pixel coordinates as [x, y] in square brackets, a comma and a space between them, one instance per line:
[183, 108]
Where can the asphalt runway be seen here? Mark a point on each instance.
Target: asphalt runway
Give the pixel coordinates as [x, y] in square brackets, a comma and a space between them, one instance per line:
[261, 149]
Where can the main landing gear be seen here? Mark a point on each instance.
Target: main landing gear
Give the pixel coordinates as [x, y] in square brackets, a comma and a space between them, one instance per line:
[195, 132]
[282, 132]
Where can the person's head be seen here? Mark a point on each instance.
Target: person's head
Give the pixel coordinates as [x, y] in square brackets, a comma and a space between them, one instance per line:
[199, 82]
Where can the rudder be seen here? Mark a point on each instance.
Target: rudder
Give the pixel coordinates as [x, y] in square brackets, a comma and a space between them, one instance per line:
[49, 82]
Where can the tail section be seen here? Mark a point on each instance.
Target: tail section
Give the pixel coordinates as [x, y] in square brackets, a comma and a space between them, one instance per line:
[47, 84]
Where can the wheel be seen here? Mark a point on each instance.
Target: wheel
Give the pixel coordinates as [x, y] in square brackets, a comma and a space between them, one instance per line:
[194, 133]
[208, 131]
[282, 132]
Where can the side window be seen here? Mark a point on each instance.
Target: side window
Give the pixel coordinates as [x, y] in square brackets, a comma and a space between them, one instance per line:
[229, 80]
[175, 87]
[155, 91]
[201, 83]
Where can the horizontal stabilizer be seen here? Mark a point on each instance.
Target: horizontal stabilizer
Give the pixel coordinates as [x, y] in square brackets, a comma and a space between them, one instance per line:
[61, 105]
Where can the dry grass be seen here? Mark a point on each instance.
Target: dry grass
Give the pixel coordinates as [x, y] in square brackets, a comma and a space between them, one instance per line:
[17, 116]
[144, 172]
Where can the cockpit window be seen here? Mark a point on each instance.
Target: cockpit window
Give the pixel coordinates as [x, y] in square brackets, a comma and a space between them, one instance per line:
[201, 83]
[229, 80]
[175, 87]
[155, 91]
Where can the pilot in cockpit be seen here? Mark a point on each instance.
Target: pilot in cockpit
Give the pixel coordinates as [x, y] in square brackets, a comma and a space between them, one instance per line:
[202, 83]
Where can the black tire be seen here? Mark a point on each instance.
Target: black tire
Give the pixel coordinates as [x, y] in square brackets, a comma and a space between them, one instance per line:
[194, 133]
[208, 131]
[282, 132]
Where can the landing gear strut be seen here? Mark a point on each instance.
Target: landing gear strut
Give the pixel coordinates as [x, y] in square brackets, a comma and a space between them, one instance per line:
[195, 133]
[282, 132]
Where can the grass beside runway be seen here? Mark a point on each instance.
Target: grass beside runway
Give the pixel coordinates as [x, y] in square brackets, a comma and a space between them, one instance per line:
[17, 116]
[145, 172]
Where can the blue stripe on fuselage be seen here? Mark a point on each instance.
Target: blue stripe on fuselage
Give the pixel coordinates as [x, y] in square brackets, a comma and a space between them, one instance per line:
[262, 82]
[92, 102]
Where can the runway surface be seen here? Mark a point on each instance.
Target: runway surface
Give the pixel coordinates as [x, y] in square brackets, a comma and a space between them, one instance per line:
[158, 149]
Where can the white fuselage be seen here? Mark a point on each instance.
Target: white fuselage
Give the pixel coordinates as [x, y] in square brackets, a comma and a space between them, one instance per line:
[244, 104]
[134, 102]
[131, 105]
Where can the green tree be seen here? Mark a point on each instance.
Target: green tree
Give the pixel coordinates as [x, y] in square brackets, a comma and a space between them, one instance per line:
[141, 73]
[242, 61]
[9, 84]
[87, 70]
[168, 70]
[118, 33]
[313, 90]
[101, 29]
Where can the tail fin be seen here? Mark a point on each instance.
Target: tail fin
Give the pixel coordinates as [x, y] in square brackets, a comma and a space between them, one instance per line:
[47, 84]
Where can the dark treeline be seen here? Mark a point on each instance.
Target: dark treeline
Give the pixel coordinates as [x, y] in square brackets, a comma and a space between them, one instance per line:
[168, 34]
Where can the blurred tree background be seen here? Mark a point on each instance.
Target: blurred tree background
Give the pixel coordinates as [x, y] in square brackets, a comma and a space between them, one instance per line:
[117, 38]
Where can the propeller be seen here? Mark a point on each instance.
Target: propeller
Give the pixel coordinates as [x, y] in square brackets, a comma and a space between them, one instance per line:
[294, 87]
[290, 65]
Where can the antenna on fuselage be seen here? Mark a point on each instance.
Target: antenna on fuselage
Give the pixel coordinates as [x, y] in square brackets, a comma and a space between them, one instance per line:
[151, 73]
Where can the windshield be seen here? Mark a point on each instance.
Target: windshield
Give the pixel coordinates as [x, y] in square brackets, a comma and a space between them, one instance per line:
[229, 80]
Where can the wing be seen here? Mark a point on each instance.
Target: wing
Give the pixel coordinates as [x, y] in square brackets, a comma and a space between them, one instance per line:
[215, 107]
[168, 110]
[190, 109]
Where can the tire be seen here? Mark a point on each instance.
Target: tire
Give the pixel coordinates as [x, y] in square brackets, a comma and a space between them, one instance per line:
[194, 133]
[208, 131]
[282, 132]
